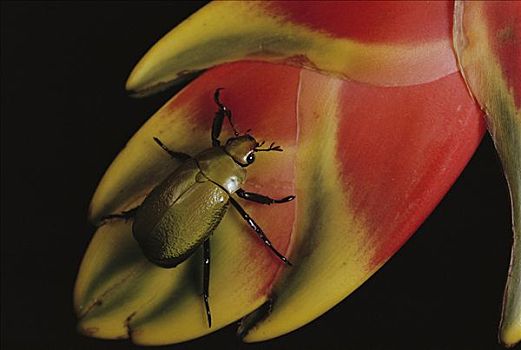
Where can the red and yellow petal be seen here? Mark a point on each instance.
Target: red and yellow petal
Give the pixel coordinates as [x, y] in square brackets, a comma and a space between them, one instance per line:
[377, 43]
[118, 293]
[372, 163]
[367, 164]
[487, 41]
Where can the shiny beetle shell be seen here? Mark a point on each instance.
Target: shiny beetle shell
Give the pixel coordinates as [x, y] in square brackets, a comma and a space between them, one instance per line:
[184, 210]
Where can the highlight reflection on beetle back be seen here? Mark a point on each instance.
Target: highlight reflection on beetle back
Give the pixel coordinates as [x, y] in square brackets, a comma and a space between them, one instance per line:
[220, 168]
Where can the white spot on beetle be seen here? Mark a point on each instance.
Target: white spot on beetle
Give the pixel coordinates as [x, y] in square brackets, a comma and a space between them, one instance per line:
[232, 184]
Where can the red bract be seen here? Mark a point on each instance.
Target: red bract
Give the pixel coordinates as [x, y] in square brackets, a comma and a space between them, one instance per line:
[371, 21]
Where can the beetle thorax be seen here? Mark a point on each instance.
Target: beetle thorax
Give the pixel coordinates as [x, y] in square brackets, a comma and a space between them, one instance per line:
[220, 167]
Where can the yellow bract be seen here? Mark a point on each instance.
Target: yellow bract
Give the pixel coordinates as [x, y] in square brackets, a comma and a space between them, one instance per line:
[331, 256]
[227, 31]
[482, 71]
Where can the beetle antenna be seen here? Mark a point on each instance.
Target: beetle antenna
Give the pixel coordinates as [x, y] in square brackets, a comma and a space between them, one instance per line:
[224, 110]
[272, 147]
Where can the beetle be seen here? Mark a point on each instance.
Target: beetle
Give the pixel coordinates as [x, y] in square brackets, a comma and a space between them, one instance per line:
[180, 214]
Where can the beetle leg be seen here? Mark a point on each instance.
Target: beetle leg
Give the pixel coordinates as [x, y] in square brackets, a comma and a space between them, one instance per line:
[180, 156]
[125, 215]
[222, 112]
[216, 127]
[206, 280]
[260, 198]
[258, 231]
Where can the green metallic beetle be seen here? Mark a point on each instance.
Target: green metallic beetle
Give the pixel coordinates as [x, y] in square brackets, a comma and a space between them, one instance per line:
[182, 212]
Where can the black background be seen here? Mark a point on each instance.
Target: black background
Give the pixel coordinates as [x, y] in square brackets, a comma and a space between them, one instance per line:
[65, 115]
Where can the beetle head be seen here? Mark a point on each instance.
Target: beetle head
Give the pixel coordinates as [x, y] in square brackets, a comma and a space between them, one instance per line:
[242, 149]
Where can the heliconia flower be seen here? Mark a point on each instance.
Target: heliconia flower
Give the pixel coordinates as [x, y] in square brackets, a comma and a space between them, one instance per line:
[487, 40]
[376, 123]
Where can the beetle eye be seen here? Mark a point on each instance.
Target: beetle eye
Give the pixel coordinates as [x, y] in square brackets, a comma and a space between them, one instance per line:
[251, 158]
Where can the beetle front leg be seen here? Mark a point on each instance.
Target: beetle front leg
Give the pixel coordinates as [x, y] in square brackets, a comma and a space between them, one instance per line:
[258, 231]
[260, 198]
[180, 156]
[219, 118]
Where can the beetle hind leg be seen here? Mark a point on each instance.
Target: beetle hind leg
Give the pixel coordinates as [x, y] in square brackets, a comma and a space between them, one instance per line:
[206, 280]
